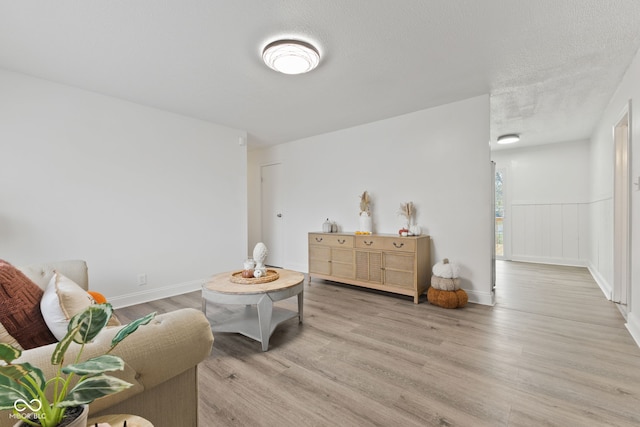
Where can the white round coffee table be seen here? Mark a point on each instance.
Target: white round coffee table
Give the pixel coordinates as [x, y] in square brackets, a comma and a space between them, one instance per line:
[260, 321]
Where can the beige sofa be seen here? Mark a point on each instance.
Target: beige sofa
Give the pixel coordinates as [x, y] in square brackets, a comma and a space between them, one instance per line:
[161, 359]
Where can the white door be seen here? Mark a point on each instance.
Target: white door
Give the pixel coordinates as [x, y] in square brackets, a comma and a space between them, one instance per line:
[621, 227]
[272, 214]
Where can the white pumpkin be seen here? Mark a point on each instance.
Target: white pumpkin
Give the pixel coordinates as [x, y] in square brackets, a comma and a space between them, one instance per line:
[446, 269]
[443, 284]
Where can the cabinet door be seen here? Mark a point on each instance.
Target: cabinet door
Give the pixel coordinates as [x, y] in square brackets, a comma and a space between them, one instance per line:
[399, 269]
[369, 266]
[342, 263]
[319, 260]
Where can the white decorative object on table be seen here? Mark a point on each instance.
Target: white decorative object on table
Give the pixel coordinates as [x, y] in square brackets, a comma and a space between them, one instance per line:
[249, 264]
[406, 211]
[365, 224]
[260, 252]
[326, 226]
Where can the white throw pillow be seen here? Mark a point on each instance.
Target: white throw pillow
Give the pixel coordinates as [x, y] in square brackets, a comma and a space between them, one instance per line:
[62, 300]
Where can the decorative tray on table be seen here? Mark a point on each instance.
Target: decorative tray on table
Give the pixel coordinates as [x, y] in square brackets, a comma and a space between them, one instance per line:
[269, 277]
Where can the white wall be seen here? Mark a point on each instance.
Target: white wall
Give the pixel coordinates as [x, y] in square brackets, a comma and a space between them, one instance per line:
[438, 158]
[602, 161]
[130, 189]
[547, 202]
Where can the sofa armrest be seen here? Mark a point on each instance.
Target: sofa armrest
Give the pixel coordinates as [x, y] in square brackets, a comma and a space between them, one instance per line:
[169, 345]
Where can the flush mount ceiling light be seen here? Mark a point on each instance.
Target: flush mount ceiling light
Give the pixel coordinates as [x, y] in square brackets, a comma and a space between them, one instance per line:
[291, 56]
[509, 138]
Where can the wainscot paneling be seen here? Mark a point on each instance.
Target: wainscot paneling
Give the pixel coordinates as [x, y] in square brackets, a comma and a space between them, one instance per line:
[550, 233]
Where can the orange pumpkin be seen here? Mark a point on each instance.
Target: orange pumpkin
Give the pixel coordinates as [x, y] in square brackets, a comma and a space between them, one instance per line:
[463, 298]
[97, 297]
[447, 299]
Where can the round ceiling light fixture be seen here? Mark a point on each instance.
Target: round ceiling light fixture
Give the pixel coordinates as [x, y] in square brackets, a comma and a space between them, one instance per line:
[508, 138]
[291, 56]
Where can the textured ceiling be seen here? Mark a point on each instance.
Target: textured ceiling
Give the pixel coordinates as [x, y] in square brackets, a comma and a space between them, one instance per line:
[549, 66]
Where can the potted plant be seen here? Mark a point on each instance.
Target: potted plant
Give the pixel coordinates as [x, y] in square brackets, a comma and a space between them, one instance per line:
[23, 386]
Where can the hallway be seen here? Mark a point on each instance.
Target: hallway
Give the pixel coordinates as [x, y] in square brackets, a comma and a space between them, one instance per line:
[575, 349]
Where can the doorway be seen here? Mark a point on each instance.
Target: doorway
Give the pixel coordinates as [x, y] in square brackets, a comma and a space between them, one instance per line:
[621, 206]
[272, 213]
[499, 212]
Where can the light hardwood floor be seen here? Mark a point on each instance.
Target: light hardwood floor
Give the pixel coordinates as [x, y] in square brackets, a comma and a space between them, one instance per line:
[552, 352]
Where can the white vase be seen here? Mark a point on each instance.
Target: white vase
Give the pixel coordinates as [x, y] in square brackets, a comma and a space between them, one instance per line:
[366, 225]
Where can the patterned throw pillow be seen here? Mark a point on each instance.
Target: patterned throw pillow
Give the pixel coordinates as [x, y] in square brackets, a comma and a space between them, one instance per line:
[20, 314]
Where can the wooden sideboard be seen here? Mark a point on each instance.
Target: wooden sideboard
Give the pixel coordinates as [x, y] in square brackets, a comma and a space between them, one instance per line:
[385, 262]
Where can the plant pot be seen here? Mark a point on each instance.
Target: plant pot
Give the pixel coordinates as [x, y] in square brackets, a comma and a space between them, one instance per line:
[72, 418]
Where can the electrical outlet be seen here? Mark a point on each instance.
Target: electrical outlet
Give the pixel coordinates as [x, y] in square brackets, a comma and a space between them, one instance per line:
[142, 279]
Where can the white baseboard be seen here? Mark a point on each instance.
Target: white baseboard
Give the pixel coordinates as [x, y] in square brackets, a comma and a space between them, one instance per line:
[155, 294]
[605, 287]
[569, 262]
[484, 298]
[140, 297]
[633, 325]
[302, 268]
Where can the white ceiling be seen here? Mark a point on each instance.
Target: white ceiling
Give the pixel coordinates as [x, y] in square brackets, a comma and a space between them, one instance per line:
[550, 66]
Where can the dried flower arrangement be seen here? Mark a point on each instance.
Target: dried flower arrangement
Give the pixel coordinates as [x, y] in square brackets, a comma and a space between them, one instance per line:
[364, 218]
[365, 201]
[407, 210]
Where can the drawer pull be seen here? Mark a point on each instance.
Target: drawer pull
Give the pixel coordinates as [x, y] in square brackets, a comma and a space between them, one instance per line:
[342, 241]
[368, 243]
[318, 239]
[398, 245]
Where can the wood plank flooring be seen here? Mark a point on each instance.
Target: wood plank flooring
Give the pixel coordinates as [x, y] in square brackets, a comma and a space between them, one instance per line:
[552, 352]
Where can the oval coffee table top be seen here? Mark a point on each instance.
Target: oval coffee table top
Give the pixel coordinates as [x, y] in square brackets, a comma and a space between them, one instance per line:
[222, 283]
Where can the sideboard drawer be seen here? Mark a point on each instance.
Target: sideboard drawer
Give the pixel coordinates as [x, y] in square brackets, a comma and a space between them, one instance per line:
[370, 242]
[403, 244]
[331, 239]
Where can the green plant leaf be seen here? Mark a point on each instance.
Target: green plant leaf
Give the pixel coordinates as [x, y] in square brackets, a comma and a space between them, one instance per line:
[21, 370]
[97, 365]
[14, 372]
[10, 391]
[91, 321]
[131, 328]
[38, 376]
[93, 388]
[57, 357]
[9, 353]
[14, 376]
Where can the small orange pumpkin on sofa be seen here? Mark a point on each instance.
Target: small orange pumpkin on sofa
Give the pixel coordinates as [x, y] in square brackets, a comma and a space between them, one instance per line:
[97, 297]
